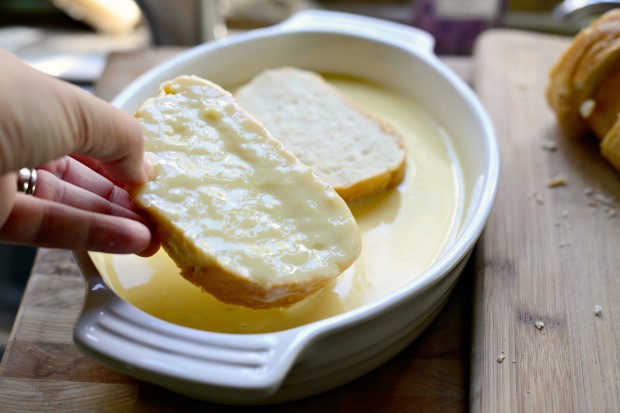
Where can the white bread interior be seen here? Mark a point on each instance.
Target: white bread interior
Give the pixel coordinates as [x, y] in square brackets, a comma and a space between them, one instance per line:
[357, 154]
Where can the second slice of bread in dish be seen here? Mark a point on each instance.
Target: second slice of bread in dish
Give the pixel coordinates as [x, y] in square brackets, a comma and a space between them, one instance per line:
[349, 149]
[241, 216]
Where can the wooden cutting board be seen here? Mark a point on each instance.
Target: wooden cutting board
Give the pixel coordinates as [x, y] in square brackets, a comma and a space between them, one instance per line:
[549, 254]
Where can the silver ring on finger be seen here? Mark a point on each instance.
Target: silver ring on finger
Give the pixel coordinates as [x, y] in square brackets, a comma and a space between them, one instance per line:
[27, 180]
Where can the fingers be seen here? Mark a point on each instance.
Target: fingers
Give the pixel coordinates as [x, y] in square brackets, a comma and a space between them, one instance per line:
[86, 211]
[109, 135]
[44, 118]
[115, 203]
[95, 165]
[43, 223]
[73, 172]
[71, 183]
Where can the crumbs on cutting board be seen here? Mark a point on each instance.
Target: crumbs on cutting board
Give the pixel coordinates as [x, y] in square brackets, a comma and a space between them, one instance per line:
[549, 145]
[539, 324]
[598, 200]
[598, 310]
[501, 357]
[555, 182]
[563, 217]
[559, 180]
[598, 197]
[536, 197]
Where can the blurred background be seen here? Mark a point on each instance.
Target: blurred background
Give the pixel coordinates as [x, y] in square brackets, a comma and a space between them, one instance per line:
[71, 39]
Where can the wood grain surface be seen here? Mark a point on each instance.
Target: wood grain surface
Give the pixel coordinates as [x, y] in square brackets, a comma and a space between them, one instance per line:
[549, 254]
[43, 371]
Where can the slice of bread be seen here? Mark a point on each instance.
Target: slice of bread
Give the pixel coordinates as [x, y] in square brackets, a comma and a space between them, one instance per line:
[349, 149]
[241, 216]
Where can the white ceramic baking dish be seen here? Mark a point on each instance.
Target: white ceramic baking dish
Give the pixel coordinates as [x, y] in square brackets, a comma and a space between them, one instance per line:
[291, 364]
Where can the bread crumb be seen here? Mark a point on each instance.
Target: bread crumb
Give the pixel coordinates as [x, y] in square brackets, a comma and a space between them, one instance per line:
[501, 357]
[603, 199]
[598, 310]
[549, 145]
[557, 181]
[539, 325]
[587, 108]
[599, 197]
[610, 212]
[536, 197]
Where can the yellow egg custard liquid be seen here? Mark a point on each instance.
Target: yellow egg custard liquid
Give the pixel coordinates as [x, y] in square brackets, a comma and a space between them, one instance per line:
[404, 230]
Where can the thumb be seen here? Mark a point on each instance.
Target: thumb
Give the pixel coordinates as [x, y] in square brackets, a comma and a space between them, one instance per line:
[45, 118]
[111, 136]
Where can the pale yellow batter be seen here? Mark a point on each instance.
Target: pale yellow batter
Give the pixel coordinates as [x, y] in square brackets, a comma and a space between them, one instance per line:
[404, 230]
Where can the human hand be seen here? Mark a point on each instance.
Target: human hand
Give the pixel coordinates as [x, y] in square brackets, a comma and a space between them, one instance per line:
[79, 201]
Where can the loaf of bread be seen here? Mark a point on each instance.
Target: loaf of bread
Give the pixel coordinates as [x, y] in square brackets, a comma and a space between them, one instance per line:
[357, 154]
[584, 85]
[578, 77]
[241, 216]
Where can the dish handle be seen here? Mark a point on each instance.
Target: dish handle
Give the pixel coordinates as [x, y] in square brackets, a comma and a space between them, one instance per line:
[201, 364]
[319, 20]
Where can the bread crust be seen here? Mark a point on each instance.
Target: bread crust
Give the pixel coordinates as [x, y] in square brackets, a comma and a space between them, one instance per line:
[605, 104]
[228, 286]
[391, 177]
[610, 145]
